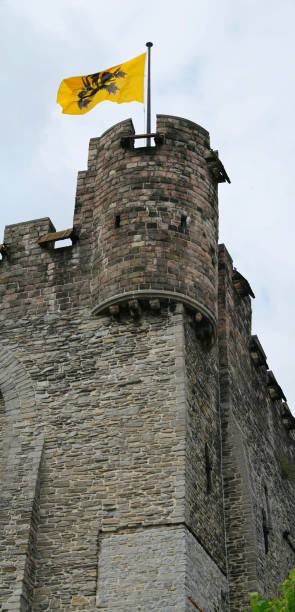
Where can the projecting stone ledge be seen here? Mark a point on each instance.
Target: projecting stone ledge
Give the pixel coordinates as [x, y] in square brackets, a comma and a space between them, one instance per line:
[274, 388]
[241, 284]
[257, 353]
[137, 302]
[50, 239]
[216, 167]
[287, 417]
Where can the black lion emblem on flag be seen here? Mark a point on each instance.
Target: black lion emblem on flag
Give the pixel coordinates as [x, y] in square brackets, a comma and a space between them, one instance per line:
[95, 82]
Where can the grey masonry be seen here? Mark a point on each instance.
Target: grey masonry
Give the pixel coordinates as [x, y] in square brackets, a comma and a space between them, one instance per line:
[147, 451]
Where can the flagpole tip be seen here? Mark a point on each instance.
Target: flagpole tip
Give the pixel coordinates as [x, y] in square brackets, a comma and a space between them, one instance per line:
[149, 44]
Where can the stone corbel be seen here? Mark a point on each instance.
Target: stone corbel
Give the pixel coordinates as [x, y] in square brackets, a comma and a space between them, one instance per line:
[216, 167]
[274, 388]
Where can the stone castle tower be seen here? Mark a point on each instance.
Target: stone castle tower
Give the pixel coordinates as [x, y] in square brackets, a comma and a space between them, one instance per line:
[146, 446]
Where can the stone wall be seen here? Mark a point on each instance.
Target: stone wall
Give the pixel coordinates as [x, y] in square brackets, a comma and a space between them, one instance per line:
[158, 583]
[142, 463]
[155, 215]
[110, 403]
[206, 584]
[204, 498]
[259, 499]
[21, 454]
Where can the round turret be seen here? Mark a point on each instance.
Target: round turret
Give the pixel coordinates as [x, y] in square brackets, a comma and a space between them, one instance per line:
[156, 218]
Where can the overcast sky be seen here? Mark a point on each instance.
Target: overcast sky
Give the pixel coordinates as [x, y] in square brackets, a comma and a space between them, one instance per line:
[225, 64]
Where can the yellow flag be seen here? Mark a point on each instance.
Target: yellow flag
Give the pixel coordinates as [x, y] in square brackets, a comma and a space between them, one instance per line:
[122, 83]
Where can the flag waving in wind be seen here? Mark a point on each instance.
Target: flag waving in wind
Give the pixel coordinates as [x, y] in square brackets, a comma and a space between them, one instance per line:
[122, 83]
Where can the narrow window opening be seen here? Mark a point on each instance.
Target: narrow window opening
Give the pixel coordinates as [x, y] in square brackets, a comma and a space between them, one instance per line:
[63, 243]
[208, 466]
[138, 144]
[185, 222]
[265, 531]
[182, 227]
[117, 221]
[213, 257]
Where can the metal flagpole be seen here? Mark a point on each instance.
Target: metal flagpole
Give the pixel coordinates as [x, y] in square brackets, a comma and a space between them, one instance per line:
[148, 110]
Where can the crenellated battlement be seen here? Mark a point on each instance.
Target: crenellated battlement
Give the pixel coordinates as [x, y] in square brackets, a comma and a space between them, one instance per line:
[144, 234]
[155, 213]
[145, 225]
[147, 446]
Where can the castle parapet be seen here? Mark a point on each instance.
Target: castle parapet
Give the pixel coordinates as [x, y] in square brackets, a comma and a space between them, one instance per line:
[155, 218]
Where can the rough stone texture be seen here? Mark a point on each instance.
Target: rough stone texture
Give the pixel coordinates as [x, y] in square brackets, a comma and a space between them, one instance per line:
[141, 466]
[158, 585]
[152, 189]
[21, 455]
[204, 501]
[254, 443]
[110, 407]
[203, 577]
[176, 568]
